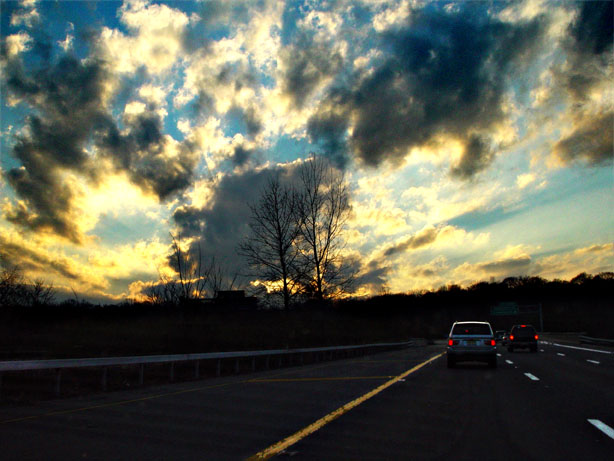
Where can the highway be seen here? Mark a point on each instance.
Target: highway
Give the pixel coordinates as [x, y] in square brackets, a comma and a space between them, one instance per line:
[391, 405]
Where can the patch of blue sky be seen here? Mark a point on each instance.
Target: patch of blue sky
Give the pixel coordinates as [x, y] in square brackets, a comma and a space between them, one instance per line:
[564, 186]
[126, 229]
[287, 149]
[557, 220]
[291, 16]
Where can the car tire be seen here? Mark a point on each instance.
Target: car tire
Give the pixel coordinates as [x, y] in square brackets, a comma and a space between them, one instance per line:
[492, 363]
[451, 362]
[533, 348]
[510, 349]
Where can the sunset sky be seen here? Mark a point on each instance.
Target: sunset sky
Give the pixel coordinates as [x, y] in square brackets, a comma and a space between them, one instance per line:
[476, 137]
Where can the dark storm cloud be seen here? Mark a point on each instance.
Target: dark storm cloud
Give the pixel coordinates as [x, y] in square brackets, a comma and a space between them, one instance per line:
[66, 98]
[328, 129]
[421, 239]
[592, 141]
[476, 157]
[13, 254]
[507, 266]
[242, 155]
[373, 276]
[445, 72]
[593, 30]
[306, 64]
[143, 152]
[67, 114]
[589, 47]
[222, 223]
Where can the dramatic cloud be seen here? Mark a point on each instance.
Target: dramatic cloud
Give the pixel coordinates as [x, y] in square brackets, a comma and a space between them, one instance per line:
[587, 76]
[445, 73]
[124, 121]
[592, 140]
[154, 161]
[589, 46]
[306, 64]
[222, 222]
[67, 102]
[70, 130]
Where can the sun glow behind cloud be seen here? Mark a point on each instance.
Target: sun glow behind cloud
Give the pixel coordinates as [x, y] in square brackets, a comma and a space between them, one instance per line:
[476, 138]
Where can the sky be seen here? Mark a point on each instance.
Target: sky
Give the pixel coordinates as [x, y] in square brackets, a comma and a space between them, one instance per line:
[476, 137]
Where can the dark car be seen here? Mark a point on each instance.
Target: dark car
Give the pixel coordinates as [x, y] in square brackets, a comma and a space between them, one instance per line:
[499, 334]
[471, 341]
[522, 337]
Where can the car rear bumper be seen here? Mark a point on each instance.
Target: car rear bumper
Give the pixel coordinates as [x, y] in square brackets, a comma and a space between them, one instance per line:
[522, 344]
[472, 354]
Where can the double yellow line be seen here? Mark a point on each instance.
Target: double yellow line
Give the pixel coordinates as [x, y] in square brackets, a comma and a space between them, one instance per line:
[294, 438]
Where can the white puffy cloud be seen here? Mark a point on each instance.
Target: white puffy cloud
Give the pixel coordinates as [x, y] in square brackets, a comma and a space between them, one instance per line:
[154, 39]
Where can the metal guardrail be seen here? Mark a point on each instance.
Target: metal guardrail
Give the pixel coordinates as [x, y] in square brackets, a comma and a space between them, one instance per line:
[317, 354]
[596, 341]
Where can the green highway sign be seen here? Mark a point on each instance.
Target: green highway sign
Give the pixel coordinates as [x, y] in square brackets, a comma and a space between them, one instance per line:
[504, 309]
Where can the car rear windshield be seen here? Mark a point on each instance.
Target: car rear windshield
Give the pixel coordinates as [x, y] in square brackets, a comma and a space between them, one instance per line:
[471, 329]
[523, 331]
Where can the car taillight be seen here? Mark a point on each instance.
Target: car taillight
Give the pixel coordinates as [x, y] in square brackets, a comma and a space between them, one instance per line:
[450, 342]
[536, 337]
[493, 342]
[511, 337]
[453, 342]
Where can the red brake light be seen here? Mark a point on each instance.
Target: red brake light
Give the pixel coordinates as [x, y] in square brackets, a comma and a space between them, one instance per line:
[536, 337]
[511, 337]
[523, 326]
[450, 342]
[493, 342]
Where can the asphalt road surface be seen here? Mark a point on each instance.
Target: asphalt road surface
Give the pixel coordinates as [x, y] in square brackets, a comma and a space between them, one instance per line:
[533, 406]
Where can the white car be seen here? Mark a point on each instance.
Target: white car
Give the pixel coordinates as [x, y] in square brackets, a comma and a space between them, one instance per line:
[470, 342]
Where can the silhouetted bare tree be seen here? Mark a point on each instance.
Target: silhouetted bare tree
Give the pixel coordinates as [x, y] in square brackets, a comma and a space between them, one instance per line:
[323, 208]
[189, 282]
[16, 290]
[270, 248]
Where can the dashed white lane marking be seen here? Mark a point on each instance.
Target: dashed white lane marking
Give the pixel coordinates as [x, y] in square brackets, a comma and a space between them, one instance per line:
[562, 355]
[541, 350]
[498, 355]
[593, 361]
[509, 362]
[607, 430]
[531, 377]
[583, 348]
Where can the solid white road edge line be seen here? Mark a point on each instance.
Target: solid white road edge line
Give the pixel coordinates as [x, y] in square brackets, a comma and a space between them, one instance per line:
[562, 355]
[607, 430]
[531, 377]
[583, 348]
[593, 361]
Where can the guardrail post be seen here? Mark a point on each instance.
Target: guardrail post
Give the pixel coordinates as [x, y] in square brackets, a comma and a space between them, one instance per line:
[266, 363]
[196, 369]
[104, 378]
[0, 386]
[300, 359]
[58, 381]
[253, 364]
[172, 372]
[279, 361]
[218, 367]
[237, 365]
[141, 373]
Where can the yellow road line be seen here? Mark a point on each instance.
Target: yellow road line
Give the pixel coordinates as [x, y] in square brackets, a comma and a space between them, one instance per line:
[337, 378]
[294, 438]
